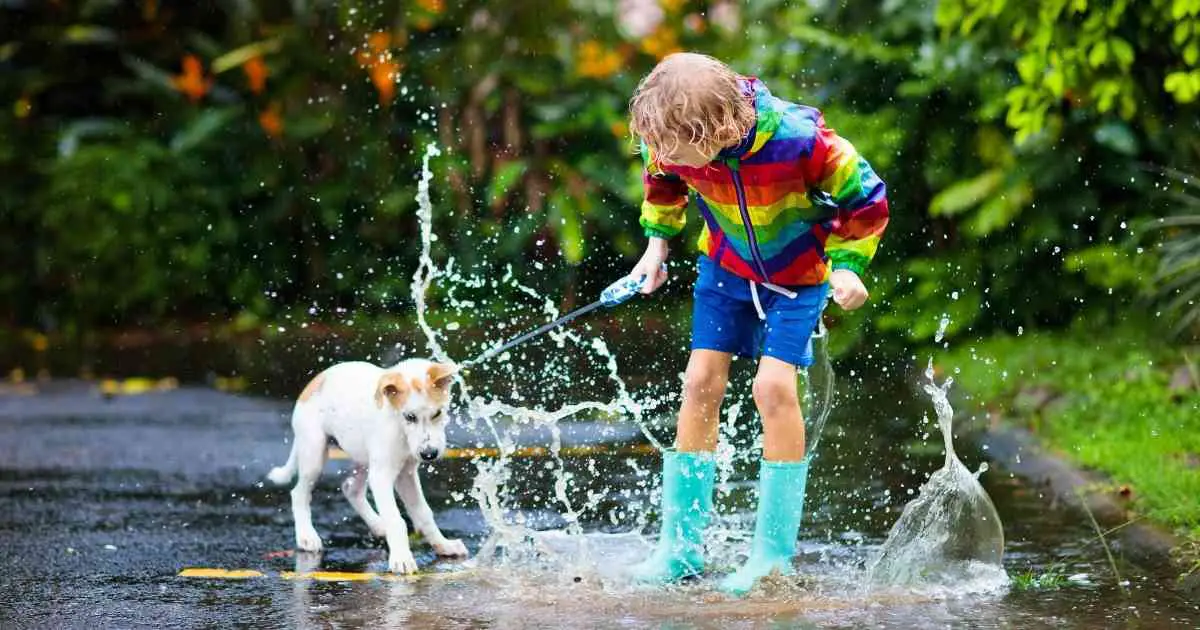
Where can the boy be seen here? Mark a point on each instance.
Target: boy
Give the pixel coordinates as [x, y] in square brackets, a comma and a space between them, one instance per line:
[790, 210]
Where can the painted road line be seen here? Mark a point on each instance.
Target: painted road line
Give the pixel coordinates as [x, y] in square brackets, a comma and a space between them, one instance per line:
[534, 451]
[316, 576]
[221, 574]
[330, 576]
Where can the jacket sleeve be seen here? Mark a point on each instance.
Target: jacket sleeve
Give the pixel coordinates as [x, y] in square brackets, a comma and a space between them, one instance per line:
[836, 169]
[664, 207]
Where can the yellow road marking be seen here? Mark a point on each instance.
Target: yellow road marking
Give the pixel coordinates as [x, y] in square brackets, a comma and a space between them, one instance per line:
[221, 574]
[318, 576]
[329, 576]
[533, 451]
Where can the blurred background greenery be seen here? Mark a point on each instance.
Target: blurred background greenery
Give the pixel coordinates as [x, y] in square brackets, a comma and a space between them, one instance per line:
[232, 160]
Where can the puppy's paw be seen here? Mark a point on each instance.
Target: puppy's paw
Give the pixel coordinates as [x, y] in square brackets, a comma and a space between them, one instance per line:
[308, 541]
[402, 562]
[450, 548]
[377, 530]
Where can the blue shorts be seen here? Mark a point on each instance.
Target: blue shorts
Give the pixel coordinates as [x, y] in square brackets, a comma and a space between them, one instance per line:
[724, 318]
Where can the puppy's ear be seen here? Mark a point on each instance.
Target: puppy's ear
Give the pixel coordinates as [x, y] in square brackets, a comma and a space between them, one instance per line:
[392, 388]
[442, 374]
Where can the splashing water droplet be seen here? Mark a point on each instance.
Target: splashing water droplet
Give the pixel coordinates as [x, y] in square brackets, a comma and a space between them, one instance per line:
[950, 536]
[942, 326]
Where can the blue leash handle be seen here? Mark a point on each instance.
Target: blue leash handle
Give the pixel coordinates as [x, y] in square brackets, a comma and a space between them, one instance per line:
[622, 290]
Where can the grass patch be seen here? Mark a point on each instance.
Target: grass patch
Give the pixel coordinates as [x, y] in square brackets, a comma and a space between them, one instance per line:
[1051, 578]
[1105, 400]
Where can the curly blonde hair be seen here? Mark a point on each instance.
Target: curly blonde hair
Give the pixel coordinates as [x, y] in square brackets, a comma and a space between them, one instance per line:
[690, 98]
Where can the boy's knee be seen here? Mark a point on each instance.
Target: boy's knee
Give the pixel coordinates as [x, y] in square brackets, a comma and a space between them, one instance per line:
[772, 394]
[703, 385]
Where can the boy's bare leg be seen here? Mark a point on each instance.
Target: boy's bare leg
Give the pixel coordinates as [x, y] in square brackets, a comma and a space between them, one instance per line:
[779, 405]
[703, 389]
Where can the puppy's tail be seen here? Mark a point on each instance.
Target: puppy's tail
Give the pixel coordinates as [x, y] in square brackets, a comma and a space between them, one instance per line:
[283, 474]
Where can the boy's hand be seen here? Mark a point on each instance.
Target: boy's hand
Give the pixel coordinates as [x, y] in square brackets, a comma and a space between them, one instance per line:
[848, 290]
[651, 265]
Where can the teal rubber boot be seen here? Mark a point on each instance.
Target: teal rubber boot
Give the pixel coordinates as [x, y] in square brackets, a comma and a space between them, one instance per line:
[780, 508]
[688, 480]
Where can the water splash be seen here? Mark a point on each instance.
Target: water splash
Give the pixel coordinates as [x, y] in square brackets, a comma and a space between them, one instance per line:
[950, 536]
[552, 536]
[943, 324]
[818, 389]
[514, 537]
[426, 270]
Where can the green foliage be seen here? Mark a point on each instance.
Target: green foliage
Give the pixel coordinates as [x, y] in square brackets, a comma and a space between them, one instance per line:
[243, 159]
[1104, 401]
[1177, 282]
[1076, 53]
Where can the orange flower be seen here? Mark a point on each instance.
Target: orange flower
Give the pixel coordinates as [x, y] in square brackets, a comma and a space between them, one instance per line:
[595, 61]
[192, 81]
[432, 6]
[694, 23]
[383, 75]
[619, 128]
[256, 74]
[270, 120]
[379, 41]
[660, 43]
[380, 65]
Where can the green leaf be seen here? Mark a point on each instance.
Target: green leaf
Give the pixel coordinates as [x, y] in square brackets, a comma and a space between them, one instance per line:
[1055, 82]
[88, 34]
[965, 194]
[309, 125]
[1105, 92]
[239, 56]
[1181, 33]
[1191, 53]
[150, 73]
[1182, 85]
[999, 211]
[567, 224]
[1179, 8]
[1029, 67]
[506, 176]
[201, 128]
[1122, 51]
[1110, 267]
[68, 142]
[1098, 55]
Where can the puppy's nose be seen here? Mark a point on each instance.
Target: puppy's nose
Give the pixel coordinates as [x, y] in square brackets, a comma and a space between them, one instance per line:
[429, 454]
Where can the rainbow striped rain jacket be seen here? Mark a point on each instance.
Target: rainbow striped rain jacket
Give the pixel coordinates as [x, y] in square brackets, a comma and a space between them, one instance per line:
[787, 205]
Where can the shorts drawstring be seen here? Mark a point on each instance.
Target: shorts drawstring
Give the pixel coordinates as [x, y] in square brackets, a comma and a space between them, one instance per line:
[791, 295]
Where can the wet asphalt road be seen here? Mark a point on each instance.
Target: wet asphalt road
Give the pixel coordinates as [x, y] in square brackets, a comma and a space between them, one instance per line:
[104, 501]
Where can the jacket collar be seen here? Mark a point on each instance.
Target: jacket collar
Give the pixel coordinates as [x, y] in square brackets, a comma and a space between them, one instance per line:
[750, 144]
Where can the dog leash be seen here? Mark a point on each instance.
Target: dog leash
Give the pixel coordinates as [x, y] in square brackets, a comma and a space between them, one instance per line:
[614, 294]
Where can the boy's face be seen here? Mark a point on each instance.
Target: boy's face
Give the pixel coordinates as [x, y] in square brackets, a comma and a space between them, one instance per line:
[687, 154]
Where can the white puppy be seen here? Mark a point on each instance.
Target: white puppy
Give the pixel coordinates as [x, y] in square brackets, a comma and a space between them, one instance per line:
[388, 421]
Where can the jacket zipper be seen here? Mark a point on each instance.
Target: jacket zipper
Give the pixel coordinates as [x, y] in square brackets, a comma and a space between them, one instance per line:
[741, 199]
